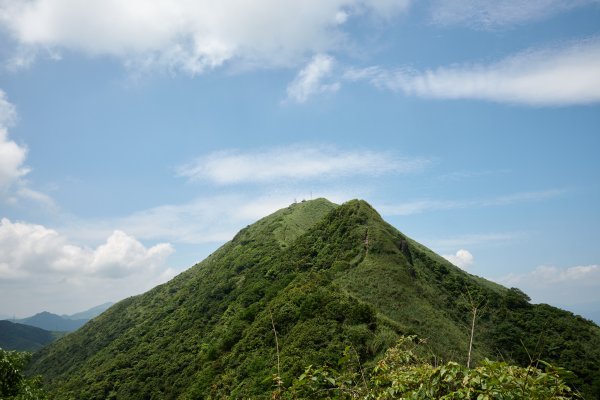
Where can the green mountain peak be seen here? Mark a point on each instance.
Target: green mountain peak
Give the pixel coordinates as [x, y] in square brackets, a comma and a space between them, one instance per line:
[326, 277]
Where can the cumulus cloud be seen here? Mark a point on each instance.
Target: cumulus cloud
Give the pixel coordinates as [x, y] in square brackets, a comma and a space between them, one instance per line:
[294, 163]
[568, 285]
[309, 81]
[462, 259]
[188, 35]
[40, 263]
[13, 186]
[559, 76]
[29, 249]
[12, 155]
[12, 159]
[485, 14]
[420, 206]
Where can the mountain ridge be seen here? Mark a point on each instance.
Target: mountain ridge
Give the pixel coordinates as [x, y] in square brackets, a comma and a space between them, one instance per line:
[15, 336]
[325, 276]
[61, 323]
[51, 322]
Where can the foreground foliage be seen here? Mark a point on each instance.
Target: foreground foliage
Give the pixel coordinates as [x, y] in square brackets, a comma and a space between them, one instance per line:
[13, 384]
[403, 374]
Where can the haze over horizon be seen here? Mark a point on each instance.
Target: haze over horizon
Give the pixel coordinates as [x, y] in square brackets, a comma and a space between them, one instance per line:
[138, 137]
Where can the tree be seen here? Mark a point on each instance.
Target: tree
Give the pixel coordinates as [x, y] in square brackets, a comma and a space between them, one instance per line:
[13, 384]
[404, 374]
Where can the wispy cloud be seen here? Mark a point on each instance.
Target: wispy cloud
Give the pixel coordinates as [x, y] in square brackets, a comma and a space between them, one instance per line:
[420, 206]
[310, 80]
[572, 285]
[208, 219]
[190, 36]
[558, 76]
[463, 259]
[8, 112]
[548, 275]
[295, 163]
[462, 175]
[484, 14]
[474, 239]
[12, 155]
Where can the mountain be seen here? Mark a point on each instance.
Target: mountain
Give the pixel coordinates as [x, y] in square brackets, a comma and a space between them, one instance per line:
[89, 314]
[52, 322]
[33, 333]
[322, 277]
[23, 337]
[62, 323]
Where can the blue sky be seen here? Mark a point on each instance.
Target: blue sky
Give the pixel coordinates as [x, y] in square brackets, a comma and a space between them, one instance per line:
[136, 137]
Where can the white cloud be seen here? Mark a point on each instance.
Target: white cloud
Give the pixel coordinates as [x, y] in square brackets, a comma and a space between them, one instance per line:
[456, 176]
[420, 206]
[485, 14]
[12, 155]
[294, 163]
[12, 159]
[559, 76]
[475, 239]
[309, 81]
[188, 35]
[571, 285]
[8, 112]
[548, 275]
[40, 263]
[211, 219]
[462, 259]
[13, 186]
[28, 249]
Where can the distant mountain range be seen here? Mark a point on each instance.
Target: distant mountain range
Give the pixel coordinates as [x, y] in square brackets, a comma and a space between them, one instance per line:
[52, 322]
[62, 323]
[89, 314]
[33, 333]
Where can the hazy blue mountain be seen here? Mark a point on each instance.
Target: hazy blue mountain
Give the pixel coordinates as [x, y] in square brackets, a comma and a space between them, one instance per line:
[62, 323]
[89, 314]
[52, 322]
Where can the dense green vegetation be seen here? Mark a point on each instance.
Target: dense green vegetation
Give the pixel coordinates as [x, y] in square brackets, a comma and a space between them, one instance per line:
[326, 277]
[13, 384]
[405, 373]
[23, 337]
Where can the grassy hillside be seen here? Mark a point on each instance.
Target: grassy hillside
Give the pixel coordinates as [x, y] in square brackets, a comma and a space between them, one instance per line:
[326, 277]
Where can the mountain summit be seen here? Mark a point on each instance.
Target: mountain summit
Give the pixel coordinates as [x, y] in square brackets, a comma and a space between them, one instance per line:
[325, 277]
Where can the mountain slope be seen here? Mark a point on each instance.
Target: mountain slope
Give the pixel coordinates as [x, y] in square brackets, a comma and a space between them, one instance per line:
[325, 276]
[23, 337]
